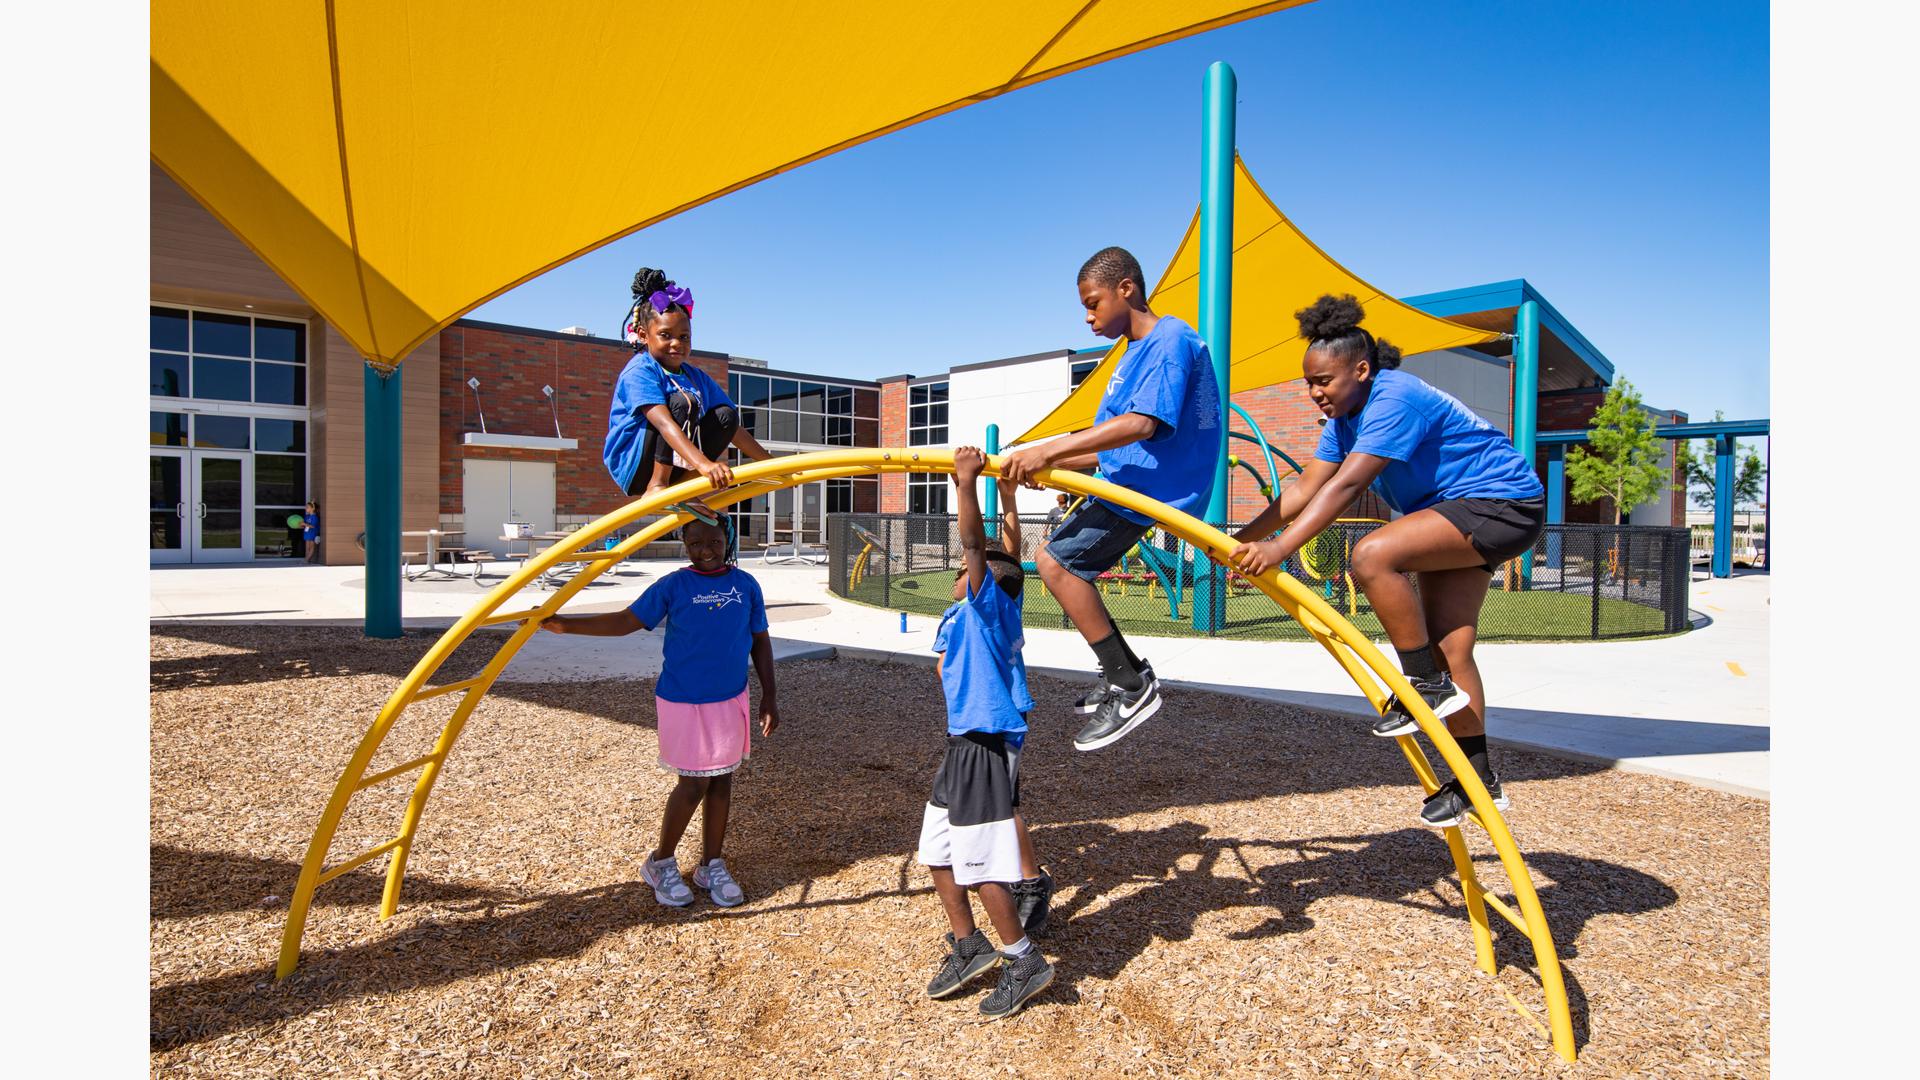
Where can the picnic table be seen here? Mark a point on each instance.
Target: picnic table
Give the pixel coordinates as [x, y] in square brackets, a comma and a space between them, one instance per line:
[431, 552]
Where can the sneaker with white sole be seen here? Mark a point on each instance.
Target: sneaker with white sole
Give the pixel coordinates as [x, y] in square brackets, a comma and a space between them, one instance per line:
[967, 957]
[1449, 806]
[719, 884]
[1090, 701]
[1120, 712]
[1438, 692]
[668, 886]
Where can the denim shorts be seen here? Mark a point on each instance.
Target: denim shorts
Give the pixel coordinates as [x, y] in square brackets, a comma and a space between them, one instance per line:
[1092, 539]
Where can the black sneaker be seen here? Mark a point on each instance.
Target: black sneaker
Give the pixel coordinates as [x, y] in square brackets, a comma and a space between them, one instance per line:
[1449, 806]
[1034, 898]
[1091, 701]
[1019, 980]
[1441, 696]
[966, 958]
[1120, 712]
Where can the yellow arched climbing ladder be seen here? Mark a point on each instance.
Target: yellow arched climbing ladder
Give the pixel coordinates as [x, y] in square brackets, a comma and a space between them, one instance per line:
[1361, 660]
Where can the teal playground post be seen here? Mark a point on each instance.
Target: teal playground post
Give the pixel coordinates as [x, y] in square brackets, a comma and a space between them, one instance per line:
[992, 497]
[1216, 308]
[1526, 396]
[382, 415]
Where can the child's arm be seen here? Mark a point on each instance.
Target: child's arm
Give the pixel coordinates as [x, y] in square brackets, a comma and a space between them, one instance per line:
[660, 418]
[1292, 500]
[967, 463]
[763, 667]
[1348, 481]
[1010, 517]
[749, 445]
[610, 624]
[1077, 451]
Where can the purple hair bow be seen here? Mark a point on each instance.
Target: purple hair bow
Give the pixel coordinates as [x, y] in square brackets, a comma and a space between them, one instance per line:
[671, 295]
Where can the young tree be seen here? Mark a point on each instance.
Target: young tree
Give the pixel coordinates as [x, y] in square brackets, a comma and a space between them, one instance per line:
[1749, 478]
[1621, 460]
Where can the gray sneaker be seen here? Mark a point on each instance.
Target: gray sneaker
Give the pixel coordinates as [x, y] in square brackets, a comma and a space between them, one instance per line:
[966, 958]
[1019, 980]
[1120, 711]
[719, 884]
[1449, 806]
[668, 886]
[1034, 898]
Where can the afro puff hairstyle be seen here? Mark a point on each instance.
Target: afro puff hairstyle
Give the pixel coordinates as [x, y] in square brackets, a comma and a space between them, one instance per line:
[1333, 322]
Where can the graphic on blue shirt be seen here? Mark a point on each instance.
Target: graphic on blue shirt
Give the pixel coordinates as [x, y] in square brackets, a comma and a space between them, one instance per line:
[642, 384]
[1167, 375]
[311, 523]
[711, 620]
[984, 676]
[1438, 448]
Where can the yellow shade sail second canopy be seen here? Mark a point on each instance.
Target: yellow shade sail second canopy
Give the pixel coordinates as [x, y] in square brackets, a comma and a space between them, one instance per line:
[401, 163]
[1276, 272]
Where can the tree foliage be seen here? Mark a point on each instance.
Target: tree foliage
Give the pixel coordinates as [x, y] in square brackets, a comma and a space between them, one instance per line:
[1749, 475]
[1621, 460]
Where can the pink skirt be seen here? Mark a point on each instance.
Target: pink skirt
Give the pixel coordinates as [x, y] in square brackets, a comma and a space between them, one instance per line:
[704, 740]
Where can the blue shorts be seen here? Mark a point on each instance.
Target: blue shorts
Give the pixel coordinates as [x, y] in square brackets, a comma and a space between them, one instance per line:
[1092, 539]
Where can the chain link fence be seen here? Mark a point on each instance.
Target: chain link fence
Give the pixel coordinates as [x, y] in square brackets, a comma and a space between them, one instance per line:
[1582, 582]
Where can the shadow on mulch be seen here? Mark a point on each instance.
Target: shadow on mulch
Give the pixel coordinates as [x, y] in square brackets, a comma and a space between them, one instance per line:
[832, 790]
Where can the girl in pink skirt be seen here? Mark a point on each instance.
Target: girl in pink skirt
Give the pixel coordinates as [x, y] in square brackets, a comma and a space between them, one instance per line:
[716, 619]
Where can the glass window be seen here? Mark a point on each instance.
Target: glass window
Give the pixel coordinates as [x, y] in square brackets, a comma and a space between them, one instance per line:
[786, 394]
[169, 329]
[839, 496]
[917, 415]
[279, 480]
[222, 335]
[1082, 369]
[222, 432]
[754, 390]
[222, 380]
[813, 397]
[280, 436]
[811, 428]
[937, 416]
[917, 395]
[917, 436]
[280, 384]
[273, 538]
[733, 387]
[168, 428]
[937, 391]
[168, 375]
[839, 401]
[866, 403]
[750, 422]
[280, 341]
[783, 425]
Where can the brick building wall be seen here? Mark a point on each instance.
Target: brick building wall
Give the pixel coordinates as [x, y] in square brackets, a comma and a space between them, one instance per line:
[512, 365]
[893, 432]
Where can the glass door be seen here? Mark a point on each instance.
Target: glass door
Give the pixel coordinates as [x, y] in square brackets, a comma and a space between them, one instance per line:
[810, 526]
[167, 509]
[221, 508]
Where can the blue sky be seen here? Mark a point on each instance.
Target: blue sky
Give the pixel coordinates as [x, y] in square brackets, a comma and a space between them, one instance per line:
[1616, 155]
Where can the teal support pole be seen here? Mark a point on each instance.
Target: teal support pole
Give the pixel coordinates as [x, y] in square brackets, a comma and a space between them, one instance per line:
[1723, 506]
[1526, 396]
[992, 497]
[1216, 307]
[382, 414]
[1556, 502]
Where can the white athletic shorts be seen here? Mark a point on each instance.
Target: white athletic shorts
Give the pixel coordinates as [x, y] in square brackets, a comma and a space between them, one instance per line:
[969, 824]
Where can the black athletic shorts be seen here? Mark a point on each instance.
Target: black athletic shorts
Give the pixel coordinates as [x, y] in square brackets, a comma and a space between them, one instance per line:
[1499, 529]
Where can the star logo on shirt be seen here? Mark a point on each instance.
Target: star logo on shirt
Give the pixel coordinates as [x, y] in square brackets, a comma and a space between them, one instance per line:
[721, 599]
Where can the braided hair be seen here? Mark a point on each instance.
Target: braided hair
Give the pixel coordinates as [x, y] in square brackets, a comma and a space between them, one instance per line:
[1333, 322]
[641, 312]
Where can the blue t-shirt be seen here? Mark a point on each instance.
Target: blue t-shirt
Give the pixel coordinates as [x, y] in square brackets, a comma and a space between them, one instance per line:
[1167, 375]
[1438, 448]
[642, 384]
[312, 526]
[711, 620]
[984, 676]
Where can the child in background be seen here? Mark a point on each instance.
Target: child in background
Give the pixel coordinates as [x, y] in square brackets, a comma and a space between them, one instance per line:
[970, 834]
[716, 619]
[1470, 501]
[669, 419]
[310, 531]
[1158, 431]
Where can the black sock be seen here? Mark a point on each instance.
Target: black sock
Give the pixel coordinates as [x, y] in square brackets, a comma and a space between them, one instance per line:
[1133, 661]
[1112, 653]
[1475, 747]
[1418, 663]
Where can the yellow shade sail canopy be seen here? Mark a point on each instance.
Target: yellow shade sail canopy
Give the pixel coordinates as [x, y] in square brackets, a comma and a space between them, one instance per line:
[1276, 272]
[401, 163]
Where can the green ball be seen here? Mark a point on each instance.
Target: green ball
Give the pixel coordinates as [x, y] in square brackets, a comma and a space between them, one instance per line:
[295, 521]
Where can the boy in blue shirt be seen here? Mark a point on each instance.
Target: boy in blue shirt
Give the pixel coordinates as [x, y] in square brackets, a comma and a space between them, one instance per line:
[1158, 432]
[971, 835]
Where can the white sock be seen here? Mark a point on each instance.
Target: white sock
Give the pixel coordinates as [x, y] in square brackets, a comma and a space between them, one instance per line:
[1018, 949]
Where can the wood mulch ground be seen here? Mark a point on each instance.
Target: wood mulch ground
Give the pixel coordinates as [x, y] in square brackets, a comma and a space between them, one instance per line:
[1243, 891]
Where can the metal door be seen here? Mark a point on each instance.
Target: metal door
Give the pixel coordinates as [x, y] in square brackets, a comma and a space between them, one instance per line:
[168, 506]
[220, 514]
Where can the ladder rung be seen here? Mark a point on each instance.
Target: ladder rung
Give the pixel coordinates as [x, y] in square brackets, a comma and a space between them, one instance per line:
[449, 688]
[363, 857]
[1506, 912]
[395, 771]
[513, 616]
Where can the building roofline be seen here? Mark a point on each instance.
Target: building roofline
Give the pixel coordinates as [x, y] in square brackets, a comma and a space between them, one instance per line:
[1511, 294]
[1028, 358]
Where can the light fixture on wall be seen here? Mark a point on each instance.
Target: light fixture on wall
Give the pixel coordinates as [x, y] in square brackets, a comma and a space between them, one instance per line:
[475, 385]
[555, 403]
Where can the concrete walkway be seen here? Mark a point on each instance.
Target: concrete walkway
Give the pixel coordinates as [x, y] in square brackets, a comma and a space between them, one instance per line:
[1693, 707]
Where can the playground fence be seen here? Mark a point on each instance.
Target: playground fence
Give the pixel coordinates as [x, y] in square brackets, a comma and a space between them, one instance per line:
[1580, 582]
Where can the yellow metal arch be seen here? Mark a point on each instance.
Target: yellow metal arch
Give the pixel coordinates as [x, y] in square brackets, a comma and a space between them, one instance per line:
[1377, 679]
